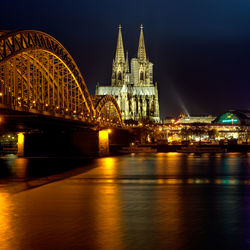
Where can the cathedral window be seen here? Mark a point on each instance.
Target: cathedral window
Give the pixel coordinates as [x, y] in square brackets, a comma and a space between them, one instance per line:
[119, 76]
[141, 76]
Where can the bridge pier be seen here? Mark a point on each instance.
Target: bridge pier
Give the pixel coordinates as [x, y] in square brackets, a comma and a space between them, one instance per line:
[20, 144]
[103, 142]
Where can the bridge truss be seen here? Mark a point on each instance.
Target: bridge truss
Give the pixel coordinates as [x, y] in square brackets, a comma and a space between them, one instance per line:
[107, 110]
[37, 74]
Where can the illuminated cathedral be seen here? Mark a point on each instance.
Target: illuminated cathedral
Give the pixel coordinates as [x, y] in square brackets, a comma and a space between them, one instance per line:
[134, 89]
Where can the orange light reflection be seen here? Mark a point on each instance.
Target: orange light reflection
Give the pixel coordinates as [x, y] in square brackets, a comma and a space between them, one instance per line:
[6, 230]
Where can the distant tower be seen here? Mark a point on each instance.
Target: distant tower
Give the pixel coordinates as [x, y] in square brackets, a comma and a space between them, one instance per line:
[119, 64]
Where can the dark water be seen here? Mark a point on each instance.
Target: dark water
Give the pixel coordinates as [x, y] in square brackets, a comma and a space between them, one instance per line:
[156, 201]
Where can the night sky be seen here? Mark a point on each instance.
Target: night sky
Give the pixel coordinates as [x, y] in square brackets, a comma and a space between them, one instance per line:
[200, 48]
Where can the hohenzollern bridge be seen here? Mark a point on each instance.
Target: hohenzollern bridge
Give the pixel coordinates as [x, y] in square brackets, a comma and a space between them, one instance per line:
[41, 86]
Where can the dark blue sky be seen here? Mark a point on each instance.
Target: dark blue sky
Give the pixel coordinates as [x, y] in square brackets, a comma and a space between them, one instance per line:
[200, 48]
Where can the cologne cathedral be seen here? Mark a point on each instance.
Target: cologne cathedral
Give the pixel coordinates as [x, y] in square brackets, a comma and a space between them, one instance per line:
[133, 89]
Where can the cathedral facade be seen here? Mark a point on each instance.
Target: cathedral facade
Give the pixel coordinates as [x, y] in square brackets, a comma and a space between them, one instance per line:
[134, 89]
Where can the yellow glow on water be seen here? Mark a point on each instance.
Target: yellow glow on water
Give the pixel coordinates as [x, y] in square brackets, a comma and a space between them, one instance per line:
[6, 230]
[108, 212]
[172, 153]
[109, 162]
[21, 165]
[110, 181]
[109, 165]
[160, 181]
[174, 181]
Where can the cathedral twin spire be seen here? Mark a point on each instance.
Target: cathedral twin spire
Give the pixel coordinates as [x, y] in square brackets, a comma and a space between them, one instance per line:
[141, 53]
[121, 73]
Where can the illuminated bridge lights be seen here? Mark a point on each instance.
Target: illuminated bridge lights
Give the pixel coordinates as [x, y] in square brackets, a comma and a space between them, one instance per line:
[38, 74]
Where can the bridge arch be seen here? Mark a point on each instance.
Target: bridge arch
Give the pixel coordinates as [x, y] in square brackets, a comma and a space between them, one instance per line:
[38, 73]
[107, 110]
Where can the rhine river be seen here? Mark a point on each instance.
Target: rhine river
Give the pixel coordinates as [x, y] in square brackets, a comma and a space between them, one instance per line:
[142, 201]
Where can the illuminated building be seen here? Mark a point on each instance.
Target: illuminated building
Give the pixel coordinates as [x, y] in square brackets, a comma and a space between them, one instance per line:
[134, 90]
[196, 119]
[234, 124]
[234, 117]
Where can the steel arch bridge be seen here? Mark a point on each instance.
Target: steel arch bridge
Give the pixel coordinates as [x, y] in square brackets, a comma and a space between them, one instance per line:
[38, 75]
[107, 109]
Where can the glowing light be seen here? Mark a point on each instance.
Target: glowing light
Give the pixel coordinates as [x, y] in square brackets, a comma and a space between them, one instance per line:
[46, 104]
[6, 229]
[1, 94]
[109, 131]
[229, 120]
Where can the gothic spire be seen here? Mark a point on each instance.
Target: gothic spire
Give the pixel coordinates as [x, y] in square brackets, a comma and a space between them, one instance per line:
[119, 55]
[141, 54]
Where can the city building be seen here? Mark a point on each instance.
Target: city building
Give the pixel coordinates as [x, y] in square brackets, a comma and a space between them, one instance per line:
[234, 124]
[234, 117]
[196, 119]
[134, 90]
[183, 118]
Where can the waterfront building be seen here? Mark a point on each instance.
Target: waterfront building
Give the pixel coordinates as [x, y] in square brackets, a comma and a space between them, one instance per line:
[196, 119]
[233, 124]
[234, 117]
[134, 90]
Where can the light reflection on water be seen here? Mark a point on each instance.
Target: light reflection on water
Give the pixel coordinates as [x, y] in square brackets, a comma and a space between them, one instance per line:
[6, 215]
[162, 201]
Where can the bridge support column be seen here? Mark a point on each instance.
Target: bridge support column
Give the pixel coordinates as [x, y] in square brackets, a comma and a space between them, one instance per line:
[20, 144]
[104, 142]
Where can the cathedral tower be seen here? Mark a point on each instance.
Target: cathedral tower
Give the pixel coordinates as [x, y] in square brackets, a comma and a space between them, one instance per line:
[141, 68]
[119, 64]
